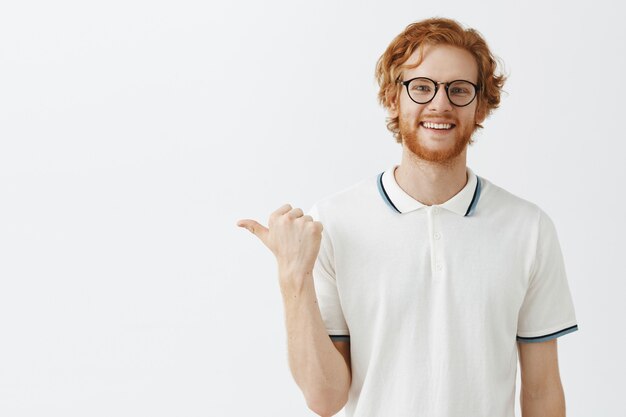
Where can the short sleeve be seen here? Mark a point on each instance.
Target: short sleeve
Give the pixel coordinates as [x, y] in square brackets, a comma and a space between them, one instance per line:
[547, 311]
[326, 285]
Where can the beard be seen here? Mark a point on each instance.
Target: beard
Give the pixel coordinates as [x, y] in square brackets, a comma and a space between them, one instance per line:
[417, 143]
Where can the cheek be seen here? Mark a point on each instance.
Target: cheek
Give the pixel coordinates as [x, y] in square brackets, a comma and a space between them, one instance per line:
[409, 118]
[467, 116]
[410, 111]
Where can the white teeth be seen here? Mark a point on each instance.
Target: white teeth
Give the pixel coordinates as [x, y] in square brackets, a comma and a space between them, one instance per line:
[437, 125]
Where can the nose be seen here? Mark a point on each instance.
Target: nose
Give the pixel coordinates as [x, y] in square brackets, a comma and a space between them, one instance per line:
[440, 102]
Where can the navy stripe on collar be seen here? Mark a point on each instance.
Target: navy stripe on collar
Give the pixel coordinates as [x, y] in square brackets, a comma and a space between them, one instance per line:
[383, 193]
[475, 198]
[470, 210]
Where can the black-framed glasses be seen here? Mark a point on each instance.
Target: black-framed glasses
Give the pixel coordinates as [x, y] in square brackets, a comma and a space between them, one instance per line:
[422, 90]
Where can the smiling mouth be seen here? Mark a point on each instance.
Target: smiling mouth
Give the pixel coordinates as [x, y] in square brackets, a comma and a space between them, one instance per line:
[444, 127]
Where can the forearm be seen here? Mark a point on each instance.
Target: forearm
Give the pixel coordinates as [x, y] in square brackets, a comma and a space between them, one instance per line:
[317, 366]
[547, 403]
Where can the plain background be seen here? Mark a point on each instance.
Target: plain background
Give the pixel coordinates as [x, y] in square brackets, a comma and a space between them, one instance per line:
[134, 135]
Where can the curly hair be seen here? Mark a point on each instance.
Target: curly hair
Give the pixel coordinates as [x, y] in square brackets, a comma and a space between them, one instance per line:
[436, 31]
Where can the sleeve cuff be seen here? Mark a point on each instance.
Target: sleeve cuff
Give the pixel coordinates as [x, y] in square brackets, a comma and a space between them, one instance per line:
[547, 336]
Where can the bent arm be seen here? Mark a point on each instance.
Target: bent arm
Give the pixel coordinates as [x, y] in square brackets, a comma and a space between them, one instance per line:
[316, 365]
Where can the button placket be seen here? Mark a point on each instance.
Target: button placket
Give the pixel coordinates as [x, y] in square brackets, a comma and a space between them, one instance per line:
[436, 242]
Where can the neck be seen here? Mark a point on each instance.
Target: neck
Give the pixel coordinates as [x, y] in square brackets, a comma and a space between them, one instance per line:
[431, 182]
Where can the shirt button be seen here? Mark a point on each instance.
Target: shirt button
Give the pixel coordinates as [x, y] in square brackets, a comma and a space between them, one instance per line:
[439, 267]
[435, 210]
[437, 235]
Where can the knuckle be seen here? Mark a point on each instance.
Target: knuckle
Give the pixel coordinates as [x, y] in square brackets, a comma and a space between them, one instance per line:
[311, 227]
[295, 213]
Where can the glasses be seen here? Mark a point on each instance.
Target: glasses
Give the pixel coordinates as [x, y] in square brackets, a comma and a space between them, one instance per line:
[422, 90]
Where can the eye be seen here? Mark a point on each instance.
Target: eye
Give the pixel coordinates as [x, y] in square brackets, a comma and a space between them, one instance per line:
[458, 90]
[420, 88]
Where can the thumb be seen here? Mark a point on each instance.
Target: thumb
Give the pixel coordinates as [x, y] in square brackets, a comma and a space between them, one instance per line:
[255, 228]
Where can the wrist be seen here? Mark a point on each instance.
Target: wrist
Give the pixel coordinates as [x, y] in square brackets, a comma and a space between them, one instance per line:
[293, 284]
[288, 270]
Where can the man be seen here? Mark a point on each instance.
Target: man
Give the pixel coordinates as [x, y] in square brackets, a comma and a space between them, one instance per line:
[430, 279]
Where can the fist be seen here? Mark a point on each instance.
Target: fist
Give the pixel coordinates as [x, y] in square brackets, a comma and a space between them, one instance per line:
[293, 238]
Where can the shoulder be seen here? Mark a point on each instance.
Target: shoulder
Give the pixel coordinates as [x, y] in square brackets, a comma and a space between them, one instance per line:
[497, 201]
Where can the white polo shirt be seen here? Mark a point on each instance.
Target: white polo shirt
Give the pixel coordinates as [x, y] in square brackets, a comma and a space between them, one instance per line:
[435, 298]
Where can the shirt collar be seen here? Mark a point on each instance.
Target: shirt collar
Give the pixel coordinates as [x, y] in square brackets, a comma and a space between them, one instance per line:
[463, 203]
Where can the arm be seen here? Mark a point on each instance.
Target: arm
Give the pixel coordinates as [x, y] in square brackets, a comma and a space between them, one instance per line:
[541, 392]
[320, 369]
[344, 348]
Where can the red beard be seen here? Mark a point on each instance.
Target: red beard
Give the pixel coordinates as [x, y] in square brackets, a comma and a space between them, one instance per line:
[418, 144]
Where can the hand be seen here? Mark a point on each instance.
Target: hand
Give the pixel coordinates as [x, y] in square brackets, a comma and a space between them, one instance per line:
[292, 237]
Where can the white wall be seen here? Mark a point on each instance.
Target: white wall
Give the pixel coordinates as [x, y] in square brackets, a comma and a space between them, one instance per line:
[134, 134]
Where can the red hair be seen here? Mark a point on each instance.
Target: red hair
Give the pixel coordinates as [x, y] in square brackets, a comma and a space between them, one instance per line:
[436, 31]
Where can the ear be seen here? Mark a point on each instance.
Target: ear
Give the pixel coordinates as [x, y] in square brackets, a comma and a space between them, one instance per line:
[481, 114]
[393, 112]
[392, 109]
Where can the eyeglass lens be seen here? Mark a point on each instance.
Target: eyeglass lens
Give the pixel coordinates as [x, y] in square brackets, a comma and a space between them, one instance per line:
[460, 92]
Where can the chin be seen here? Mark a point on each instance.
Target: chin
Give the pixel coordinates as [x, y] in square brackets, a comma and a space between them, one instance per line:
[421, 149]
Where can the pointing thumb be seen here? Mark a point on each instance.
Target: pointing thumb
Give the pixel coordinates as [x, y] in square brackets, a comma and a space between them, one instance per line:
[254, 227]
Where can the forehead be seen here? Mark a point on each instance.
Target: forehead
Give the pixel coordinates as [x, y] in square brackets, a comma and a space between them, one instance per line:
[443, 63]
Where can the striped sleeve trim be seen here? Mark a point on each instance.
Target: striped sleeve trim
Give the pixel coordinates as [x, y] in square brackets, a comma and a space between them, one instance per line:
[547, 336]
[340, 338]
